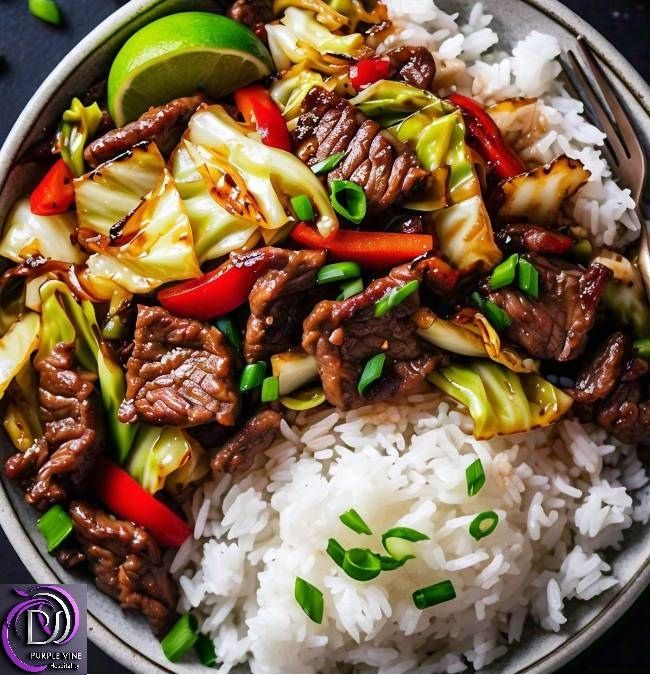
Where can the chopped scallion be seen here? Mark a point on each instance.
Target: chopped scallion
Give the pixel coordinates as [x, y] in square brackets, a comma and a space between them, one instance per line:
[310, 599]
[227, 327]
[252, 376]
[270, 389]
[361, 564]
[328, 164]
[304, 400]
[642, 348]
[583, 250]
[371, 372]
[485, 523]
[335, 551]
[55, 525]
[355, 522]
[505, 273]
[395, 297]
[528, 278]
[496, 316]
[434, 595]
[350, 288]
[205, 649]
[302, 207]
[397, 542]
[348, 200]
[339, 271]
[388, 563]
[181, 637]
[46, 10]
[475, 477]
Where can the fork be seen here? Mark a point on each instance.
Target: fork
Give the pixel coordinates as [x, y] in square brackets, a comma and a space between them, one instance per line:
[622, 148]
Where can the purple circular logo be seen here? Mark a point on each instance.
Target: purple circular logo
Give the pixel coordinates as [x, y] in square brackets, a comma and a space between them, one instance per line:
[44, 615]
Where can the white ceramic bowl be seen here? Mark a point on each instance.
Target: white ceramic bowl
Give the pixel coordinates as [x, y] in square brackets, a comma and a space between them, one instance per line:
[126, 637]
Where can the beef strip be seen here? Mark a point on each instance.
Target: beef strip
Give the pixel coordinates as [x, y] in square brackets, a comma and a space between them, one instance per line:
[181, 373]
[126, 563]
[279, 301]
[344, 335]
[613, 390]
[556, 325]
[522, 238]
[252, 13]
[387, 170]
[71, 441]
[163, 125]
[239, 452]
[413, 65]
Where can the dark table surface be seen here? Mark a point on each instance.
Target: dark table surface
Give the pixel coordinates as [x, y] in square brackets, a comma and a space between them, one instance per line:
[32, 49]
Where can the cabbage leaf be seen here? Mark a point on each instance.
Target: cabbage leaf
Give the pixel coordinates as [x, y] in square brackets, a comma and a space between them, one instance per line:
[289, 91]
[21, 421]
[107, 195]
[27, 235]
[344, 14]
[79, 123]
[158, 245]
[16, 347]
[270, 176]
[499, 400]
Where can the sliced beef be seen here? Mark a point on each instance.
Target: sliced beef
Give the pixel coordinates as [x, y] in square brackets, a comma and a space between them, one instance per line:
[522, 238]
[279, 301]
[344, 335]
[239, 452]
[556, 325]
[613, 390]
[413, 65]
[125, 561]
[71, 441]
[252, 13]
[163, 125]
[439, 275]
[181, 373]
[387, 170]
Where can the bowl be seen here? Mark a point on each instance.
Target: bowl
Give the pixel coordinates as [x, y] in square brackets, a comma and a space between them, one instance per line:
[115, 631]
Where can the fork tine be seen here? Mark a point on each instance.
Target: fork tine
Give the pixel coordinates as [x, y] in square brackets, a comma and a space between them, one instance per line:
[605, 124]
[629, 137]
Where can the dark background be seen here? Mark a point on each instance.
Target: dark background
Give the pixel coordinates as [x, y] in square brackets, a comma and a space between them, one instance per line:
[31, 49]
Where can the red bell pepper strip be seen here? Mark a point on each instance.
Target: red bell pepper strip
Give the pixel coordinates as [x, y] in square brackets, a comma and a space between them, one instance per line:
[126, 498]
[54, 194]
[486, 137]
[367, 71]
[372, 250]
[258, 108]
[218, 292]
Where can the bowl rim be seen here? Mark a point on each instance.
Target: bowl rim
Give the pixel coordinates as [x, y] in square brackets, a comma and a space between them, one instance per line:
[16, 531]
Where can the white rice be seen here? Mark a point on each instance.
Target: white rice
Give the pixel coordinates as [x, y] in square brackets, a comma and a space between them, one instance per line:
[561, 494]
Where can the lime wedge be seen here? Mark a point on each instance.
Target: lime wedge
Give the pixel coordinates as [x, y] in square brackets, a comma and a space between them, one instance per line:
[178, 54]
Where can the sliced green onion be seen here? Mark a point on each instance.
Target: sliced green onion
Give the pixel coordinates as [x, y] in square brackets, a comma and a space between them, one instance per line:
[45, 10]
[397, 542]
[338, 272]
[583, 250]
[350, 288]
[498, 317]
[304, 400]
[642, 348]
[355, 522]
[328, 164]
[181, 637]
[394, 297]
[485, 523]
[361, 564]
[388, 563]
[302, 207]
[310, 599]
[270, 389]
[434, 595]
[505, 273]
[252, 376]
[205, 649]
[528, 278]
[227, 327]
[371, 372]
[475, 477]
[335, 551]
[348, 200]
[55, 525]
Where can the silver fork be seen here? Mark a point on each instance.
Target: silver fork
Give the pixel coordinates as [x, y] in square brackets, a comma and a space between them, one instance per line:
[622, 148]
